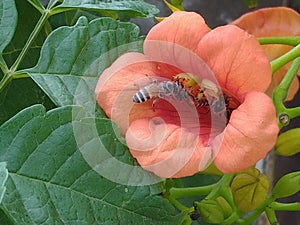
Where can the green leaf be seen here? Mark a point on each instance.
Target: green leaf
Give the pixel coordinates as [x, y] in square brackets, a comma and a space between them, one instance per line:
[51, 180]
[72, 59]
[8, 22]
[133, 8]
[3, 179]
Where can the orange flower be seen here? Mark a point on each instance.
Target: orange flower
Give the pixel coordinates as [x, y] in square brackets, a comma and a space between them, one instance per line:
[272, 22]
[177, 139]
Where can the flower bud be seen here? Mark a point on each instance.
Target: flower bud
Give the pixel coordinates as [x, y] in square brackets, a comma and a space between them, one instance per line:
[288, 143]
[249, 189]
[287, 185]
[226, 208]
[210, 211]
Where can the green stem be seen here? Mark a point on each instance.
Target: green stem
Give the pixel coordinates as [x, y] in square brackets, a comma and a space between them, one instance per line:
[295, 206]
[280, 92]
[191, 191]
[289, 40]
[30, 40]
[293, 112]
[5, 81]
[3, 65]
[250, 219]
[187, 220]
[11, 72]
[231, 219]
[176, 203]
[270, 213]
[40, 7]
[223, 182]
[227, 195]
[276, 64]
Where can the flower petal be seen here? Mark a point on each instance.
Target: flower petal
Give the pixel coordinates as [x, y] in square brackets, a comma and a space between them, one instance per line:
[272, 22]
[249, 136]
[268, 22]
[173, 42]
[179, 28]
[166, 149]
[118, 84]
[236, 59]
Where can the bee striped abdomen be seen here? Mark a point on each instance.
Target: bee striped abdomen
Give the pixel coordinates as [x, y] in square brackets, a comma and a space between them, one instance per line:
[162, 90]
[142, 95]
[202, 102]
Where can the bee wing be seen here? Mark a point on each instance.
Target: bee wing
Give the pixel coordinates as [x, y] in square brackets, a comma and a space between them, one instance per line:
[210, 88]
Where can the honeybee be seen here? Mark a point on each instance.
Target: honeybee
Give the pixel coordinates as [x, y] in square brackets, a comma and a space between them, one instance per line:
[214, 95]
[220, 102]
[164, 89]
[206, 93]
[191, 84]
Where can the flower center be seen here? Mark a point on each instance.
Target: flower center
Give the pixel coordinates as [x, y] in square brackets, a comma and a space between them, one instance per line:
[207, 95]
[231, 103]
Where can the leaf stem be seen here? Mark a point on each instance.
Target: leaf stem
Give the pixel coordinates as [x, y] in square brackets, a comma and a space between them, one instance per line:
[11, 72]
[289, 40]
[39, 7]
[222, 183]
[281, 91]
[250, 219]
[293, 112]
[276, 64]
[176, 203]
[30, 40]
[3, 65]
[295, 206]
[191, 191]
[270, 213]
[5, 81]
[231, 219]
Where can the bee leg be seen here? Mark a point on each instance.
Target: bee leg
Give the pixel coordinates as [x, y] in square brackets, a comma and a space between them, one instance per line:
[154, 102]
[193, 99]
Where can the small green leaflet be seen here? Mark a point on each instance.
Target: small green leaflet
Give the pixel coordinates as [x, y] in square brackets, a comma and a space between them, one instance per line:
[134, 8]
[8, 23]
[50, 181]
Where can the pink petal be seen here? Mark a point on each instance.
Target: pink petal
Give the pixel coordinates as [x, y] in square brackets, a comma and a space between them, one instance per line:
[249, 136]
[166, 149]
[272, 22]
[118, 83]
[237, 60]
[183, 28]
[268, 22]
